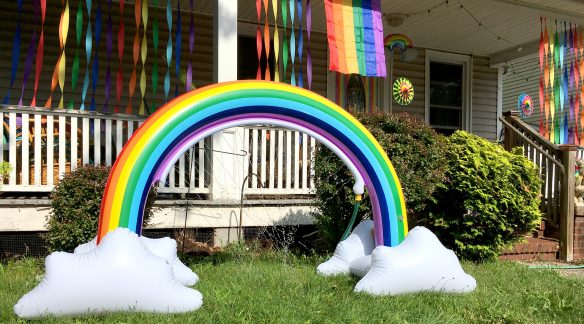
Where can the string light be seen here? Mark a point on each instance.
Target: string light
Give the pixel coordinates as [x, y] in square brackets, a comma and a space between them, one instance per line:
[461, 6]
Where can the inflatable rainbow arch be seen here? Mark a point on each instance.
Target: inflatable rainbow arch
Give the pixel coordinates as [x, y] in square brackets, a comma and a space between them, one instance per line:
[169, 132]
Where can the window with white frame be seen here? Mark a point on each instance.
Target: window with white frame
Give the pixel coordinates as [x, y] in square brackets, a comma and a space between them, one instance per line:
[447, 99]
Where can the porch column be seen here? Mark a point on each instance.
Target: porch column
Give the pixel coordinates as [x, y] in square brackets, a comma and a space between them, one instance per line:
[225, 147]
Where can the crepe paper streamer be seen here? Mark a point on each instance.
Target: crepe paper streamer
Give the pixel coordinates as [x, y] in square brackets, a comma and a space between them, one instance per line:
[155, 39]
[285, 44]
[30, 53]
[135, 53]
[178, 47]
[59, 71]
[308, 54]
[573, 121]
[143, 53]
[403, 91]
[168, 51]
[189, 79]
[563, 41]
[259, 42]
[343, 19]
[292, 42]
[95, 72]
[546, 38]
[398, 41]
[541, 44]
[172, 129]
[276, 41]
[566, 130]
[75, 66]
[39, 53]
[556, 47]
[88, 50]
[119, 83]
[552, 119]
[109, 48]
[15, 53]
[300, 44]
[579, 117]
[541, 106]
[571, 77]
[267, 40]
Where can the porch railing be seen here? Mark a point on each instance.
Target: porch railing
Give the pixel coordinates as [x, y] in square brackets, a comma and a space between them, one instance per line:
[41, 145]
[556, 164]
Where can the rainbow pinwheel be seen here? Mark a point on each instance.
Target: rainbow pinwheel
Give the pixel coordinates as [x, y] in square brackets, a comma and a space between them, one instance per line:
[403, 91]
[525, 105]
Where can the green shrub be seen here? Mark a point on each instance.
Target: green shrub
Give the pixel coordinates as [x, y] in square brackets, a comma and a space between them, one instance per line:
[491, 198]
[5, 169]
[417, 153]
[75, 207]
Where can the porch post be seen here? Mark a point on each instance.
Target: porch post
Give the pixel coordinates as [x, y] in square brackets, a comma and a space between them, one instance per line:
[226, 162]
[567, 202]
[510, 136]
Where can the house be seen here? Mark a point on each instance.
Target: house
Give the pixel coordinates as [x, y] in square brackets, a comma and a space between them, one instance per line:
[98, 75]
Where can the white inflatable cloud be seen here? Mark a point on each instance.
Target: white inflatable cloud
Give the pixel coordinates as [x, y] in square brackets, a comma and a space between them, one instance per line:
[357, 245]
[163, 247]
[121, 274]
[419, 263]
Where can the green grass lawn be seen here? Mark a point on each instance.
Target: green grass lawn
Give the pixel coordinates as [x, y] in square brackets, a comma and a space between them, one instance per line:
[241, 286]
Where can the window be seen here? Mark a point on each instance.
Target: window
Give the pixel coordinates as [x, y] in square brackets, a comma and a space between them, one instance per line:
[247, 60]
[447, 105]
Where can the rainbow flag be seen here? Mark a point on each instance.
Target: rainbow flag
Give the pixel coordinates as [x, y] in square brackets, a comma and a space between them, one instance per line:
[355, 37]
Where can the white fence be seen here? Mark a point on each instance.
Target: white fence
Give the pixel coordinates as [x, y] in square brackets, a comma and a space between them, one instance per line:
[42, 145]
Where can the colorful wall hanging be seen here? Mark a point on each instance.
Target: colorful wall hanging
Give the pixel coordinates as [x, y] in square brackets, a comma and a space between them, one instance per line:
[525, 105]
[561, 81]
[355, 37]
[403, 91]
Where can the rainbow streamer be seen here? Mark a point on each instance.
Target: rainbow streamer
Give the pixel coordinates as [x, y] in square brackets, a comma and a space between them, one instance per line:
[259, 39]
[155, 56]
[96, 58]
[169, 132]
[276, 41]
[109, 48]
[355, 37]
[15, 52]
[300, 44]
[88, 48]
[30, 53]
[177, 47]
[143, 53]
[119, 83]
[285, 44]
[59, 71]
[39, 53]
[75, 66]
[267, 39]
[292, 43]
[135, 54]
[308, 54]
[168, 51]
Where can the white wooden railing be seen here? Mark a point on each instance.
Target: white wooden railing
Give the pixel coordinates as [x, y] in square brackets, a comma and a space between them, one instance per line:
[283, 158]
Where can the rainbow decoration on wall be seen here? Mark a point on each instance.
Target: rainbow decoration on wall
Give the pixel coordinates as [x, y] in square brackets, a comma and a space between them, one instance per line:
[399, 41]
[169, 132]
[525, 105]
[355, 37]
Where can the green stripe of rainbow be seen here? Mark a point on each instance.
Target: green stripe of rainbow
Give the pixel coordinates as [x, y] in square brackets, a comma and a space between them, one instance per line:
[168, 133]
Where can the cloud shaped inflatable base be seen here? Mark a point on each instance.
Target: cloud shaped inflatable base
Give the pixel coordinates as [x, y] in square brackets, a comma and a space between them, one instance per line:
[119, 275]
[419, 263]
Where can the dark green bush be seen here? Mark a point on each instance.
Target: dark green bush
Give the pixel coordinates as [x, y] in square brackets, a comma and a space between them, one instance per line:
[417, 153]
[491, 198]
[75, 206]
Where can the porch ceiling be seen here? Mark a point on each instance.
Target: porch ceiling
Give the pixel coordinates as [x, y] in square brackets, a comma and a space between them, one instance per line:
[451, 28]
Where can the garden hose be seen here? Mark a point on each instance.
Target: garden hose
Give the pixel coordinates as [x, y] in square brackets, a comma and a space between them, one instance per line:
[556, 267]
[358, 199]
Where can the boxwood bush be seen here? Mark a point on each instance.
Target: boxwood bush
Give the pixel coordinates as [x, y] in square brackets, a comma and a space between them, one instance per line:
[417, 153]
[490, 198]
[75, 206]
